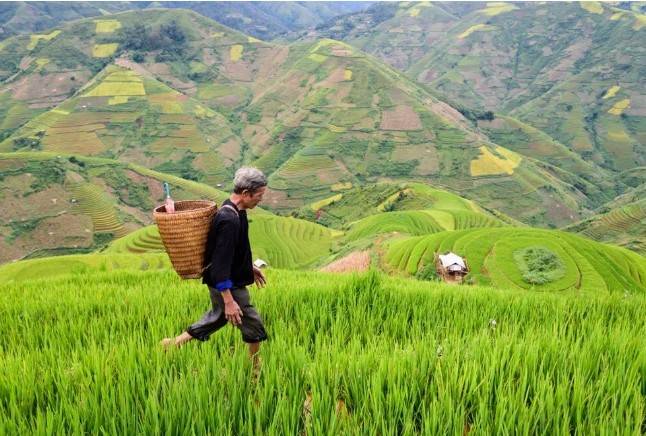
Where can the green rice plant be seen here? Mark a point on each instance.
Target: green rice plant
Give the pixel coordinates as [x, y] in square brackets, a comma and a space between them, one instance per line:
[410, 222]
[80, 355]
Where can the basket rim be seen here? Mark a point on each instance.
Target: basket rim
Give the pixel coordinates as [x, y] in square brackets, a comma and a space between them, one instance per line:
[206, 205]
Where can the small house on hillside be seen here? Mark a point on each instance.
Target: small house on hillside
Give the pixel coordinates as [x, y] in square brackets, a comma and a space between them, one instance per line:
[451, 267]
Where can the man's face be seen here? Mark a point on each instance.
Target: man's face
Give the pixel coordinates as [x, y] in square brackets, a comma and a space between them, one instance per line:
[251, 200]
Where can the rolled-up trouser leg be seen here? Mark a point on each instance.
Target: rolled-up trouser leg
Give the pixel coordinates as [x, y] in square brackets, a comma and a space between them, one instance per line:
[252, 327]
[212, 320]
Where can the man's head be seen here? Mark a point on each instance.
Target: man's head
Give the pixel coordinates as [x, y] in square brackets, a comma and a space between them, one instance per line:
[249, 185]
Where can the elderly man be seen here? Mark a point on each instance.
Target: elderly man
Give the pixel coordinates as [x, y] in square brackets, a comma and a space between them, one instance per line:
[229, 269]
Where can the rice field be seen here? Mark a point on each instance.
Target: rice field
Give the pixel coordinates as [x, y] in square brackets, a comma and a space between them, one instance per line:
[476, 28]
[107, 26]
[497, 8]
[589, 266]
[91, 200]
[35, 39]
[80, 355]
[288, 242]
[144, 240]
[104, 50]
[488, 163]
[619, 107]
[235, 52]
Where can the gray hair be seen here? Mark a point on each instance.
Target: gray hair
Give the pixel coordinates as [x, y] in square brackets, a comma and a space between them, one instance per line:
[249, 179]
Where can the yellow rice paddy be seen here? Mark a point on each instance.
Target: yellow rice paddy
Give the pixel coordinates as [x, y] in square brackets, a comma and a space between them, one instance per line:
[592, 7]
[619, 107]
[118, 99]
[476, 28]
[107, 26]
[326, 201]
[35, 39]
[236, 52]
[497, 8]
[104, 50]
[490, 164]
[612, 92]
[111, 89]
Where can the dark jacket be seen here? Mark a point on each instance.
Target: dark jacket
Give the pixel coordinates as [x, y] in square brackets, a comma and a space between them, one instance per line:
[228, 252]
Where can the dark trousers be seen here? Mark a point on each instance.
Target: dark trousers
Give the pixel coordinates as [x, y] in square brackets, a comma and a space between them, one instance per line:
[252, 328]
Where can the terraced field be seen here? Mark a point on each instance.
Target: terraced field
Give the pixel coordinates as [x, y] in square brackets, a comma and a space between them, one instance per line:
[421, 222]
[490, 254]
[281, 242]
[144, 240]
[81, 264]
[624, 226]
[92, 201]
[288, 242]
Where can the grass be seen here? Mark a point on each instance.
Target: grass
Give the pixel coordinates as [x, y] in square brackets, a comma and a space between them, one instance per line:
[281, 241]
[53, 267]
[80, 355]
[144, 240]
[407, 222]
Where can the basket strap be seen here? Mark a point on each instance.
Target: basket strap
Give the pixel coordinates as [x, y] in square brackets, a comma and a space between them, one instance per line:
[228, 206]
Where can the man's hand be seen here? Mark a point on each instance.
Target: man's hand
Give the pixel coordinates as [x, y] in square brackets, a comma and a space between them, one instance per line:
[259, 277]
[232, 311]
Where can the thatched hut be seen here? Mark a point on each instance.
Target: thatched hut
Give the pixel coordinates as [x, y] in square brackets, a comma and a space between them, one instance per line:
[451, 267]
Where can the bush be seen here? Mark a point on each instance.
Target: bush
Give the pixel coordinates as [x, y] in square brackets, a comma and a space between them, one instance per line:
[427, 272]
[539, 265]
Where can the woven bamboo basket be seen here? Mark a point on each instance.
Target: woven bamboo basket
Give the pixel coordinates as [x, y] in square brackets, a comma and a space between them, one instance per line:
[184, 234]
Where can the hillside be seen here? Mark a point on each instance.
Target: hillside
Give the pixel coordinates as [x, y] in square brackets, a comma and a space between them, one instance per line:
[336, 117]
[265, 21]
[514, 258]
[60, 204]
[184, 50]
[570, 69]
[130, 117]
[323, 108]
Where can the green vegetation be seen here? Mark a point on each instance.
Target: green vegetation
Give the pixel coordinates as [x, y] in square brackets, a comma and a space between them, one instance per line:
[98, 362]
[583, 266]
[539, 265]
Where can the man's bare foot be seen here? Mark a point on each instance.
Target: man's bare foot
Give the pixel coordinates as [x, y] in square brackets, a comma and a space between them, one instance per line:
[176, 342]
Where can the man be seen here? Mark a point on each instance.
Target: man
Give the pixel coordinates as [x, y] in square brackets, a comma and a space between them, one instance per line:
[229, 268]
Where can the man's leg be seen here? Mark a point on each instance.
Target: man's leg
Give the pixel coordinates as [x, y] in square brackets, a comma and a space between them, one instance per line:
[212, 320]
[252, 328]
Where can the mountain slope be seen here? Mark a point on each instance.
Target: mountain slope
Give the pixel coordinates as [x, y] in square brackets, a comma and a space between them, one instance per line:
[336, 116]
[60, 204]
[123, 115]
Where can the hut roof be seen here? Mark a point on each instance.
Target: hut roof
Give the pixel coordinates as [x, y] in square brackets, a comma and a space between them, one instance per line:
[451, 259]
